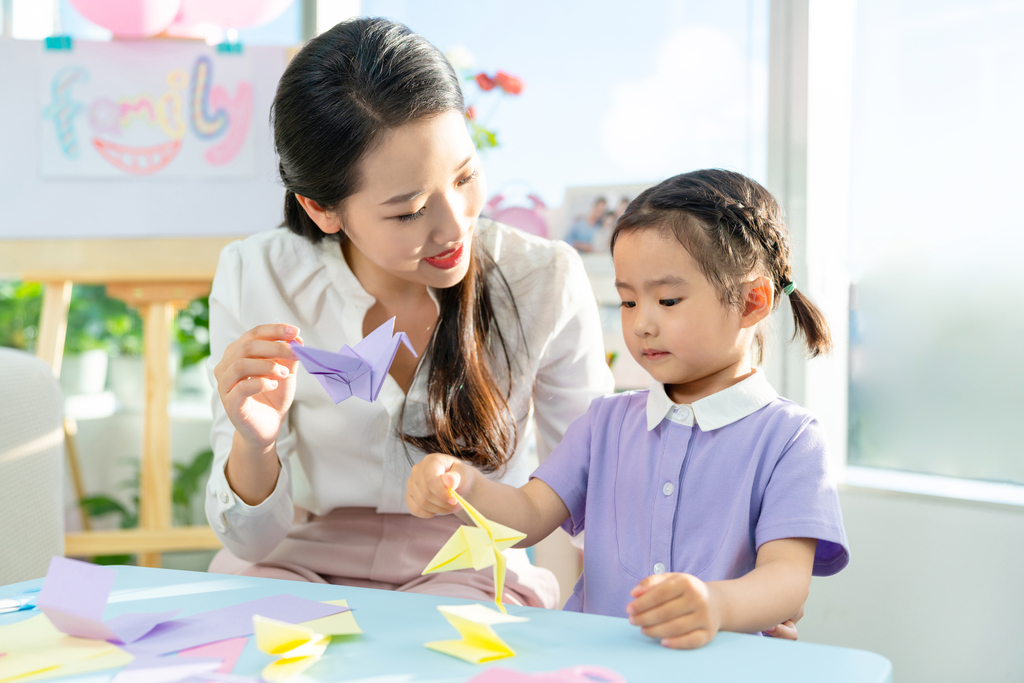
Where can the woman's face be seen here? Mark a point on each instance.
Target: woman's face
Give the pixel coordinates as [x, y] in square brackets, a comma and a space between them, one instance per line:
[421, 195]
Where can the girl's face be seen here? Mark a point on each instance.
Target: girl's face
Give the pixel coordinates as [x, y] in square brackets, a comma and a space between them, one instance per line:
[673, 320]
[421, 195]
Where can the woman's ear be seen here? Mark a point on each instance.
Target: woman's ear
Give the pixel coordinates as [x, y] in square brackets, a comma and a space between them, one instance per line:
[327, 221]
[758, 300]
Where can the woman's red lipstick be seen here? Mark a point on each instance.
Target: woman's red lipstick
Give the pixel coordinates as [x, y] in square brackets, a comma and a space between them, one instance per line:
[448, 259]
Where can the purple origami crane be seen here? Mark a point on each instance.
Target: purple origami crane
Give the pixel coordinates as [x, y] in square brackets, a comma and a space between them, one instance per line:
[357, 370]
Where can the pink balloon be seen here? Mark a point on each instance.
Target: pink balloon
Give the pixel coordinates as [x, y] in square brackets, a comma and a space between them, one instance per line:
[130, 18]
[197, 15]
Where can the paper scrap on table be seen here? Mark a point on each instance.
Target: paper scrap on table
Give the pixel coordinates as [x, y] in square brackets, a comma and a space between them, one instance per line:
[297, 647]
[165, 669]
[477, 547]
[358, 370]
[575, 674]
[479, 642]
[232, 621]
[228, 651]
[340, 624]
[37, 651]
[74, 597]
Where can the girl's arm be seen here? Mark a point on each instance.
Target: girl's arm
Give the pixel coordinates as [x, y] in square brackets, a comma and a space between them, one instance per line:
[685, 612]
[535, 509]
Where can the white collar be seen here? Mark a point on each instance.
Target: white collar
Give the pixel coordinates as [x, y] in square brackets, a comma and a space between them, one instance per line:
[714, 411]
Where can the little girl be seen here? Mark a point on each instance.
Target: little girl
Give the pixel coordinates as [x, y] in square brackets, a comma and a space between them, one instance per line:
[706, 499]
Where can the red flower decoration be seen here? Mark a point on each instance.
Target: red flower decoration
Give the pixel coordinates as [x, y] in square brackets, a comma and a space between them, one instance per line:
[509, 83]
[485, 82]
[471, 113]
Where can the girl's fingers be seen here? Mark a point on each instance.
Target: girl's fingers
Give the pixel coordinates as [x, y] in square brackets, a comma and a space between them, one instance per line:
[785, 631]
[672, 628]
[658, 590]
[673, 608]
[688, 641]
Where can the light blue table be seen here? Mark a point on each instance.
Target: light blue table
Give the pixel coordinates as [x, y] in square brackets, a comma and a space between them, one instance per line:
[397, 625]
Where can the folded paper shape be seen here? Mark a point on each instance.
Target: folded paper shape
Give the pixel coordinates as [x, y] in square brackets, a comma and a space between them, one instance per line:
[477, 547]
[74, 597]
[340, 624]
[232, 621]
[358, 370]
[299, 647]
[228, 651]
[36, 651]
[479, 642]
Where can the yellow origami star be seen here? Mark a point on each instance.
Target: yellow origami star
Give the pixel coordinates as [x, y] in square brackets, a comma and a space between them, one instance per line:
[477, 547]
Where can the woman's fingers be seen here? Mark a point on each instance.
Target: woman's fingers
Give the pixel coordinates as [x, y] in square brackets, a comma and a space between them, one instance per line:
[251, 386]
[246, 368]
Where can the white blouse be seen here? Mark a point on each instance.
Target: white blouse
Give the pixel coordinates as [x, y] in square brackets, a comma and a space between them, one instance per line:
[350, 454]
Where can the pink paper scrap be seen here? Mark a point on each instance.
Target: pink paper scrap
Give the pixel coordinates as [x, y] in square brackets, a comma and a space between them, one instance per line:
[165, 669]
[227, 650]
[575, 674]
[74, 597]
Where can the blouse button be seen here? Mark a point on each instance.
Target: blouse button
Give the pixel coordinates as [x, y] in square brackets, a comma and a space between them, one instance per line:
[659, 568]
[224, 497]
[668, 488]
[683, 413]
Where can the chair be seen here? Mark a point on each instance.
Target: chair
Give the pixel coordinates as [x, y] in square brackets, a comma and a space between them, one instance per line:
[31, 467]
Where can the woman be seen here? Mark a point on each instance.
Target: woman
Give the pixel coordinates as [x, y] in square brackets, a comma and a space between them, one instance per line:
[382, 207]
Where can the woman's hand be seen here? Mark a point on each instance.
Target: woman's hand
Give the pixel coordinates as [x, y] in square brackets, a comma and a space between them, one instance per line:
[426, 492]
[256, 383]
[680, 609]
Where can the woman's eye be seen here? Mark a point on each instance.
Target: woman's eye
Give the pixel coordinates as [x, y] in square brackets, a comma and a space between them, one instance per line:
[468, 179]
[412, 216]
[668, 302]
[628, 304]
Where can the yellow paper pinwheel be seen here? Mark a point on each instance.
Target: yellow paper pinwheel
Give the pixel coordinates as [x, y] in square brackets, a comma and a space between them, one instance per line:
[300, 647]
[477, 547]
[479, 643]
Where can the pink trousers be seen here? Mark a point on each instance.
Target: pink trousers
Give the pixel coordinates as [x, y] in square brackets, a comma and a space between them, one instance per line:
[360, 547]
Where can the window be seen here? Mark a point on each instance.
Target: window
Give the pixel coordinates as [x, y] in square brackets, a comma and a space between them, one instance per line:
[936, 237]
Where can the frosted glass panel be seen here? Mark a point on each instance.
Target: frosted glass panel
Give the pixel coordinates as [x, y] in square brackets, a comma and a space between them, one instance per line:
[937, 236]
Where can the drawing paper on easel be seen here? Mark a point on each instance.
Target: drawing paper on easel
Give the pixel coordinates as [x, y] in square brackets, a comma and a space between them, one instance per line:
[145, 108]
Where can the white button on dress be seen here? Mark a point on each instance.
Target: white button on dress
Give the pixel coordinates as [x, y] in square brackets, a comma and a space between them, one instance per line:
[667, 489]
[659, 568]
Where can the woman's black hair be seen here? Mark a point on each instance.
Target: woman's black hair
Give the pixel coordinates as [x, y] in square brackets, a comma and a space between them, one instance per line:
[733, 228]
[337, 98]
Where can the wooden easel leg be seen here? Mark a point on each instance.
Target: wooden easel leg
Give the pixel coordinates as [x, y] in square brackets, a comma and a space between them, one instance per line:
[155, 472]
[71, 448]
[53, 323]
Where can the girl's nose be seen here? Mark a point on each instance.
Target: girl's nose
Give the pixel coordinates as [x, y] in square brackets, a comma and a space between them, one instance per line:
[643, 323]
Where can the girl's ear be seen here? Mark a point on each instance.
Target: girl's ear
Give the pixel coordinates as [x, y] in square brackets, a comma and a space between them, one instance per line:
[758, 300]
[326, 220]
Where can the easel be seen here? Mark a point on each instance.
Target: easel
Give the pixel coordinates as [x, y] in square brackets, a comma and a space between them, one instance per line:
[158, 277]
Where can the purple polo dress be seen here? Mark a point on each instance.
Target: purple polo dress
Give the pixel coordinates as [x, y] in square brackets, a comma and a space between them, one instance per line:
[692, 489]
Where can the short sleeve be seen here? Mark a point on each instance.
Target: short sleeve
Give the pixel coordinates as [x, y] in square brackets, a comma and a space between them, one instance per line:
[567, 471]
[572, 369]
[250, 532]
[801, 501]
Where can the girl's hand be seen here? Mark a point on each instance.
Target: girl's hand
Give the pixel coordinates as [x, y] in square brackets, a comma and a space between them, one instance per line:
[426, 492]
[677, 608]
[256, 383]
[787, 629]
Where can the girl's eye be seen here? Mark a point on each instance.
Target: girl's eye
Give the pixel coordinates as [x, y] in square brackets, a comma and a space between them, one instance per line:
[412, 216]
[468, 179]
[628, 304]
[668, 302]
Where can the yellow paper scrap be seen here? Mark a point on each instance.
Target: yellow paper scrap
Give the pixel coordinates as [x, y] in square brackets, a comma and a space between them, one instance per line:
[477, 547]
[37, 651]
[340, 624]
[300, 647]
[479, 642]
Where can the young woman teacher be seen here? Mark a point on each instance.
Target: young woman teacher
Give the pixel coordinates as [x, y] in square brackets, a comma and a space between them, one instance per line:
[382, 208]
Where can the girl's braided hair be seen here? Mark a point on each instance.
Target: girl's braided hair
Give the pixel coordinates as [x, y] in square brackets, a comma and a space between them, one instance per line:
[733, 229]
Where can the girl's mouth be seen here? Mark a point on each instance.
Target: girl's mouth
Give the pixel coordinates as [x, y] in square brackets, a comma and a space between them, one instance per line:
[651, 354]
[448, 259]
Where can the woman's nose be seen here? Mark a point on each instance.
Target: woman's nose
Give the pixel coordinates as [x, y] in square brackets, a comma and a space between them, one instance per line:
[450, 224]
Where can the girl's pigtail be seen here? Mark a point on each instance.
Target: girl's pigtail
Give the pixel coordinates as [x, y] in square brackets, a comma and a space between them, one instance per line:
[809, 322]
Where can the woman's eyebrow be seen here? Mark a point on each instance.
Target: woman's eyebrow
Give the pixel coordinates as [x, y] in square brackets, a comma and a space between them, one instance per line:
[403, 198]
[464, 162]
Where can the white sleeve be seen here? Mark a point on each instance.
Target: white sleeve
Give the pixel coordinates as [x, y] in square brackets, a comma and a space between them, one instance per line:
[249, 532]
[572, 370]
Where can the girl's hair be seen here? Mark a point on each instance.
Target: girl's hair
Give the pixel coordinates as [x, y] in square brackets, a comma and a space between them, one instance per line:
[733, 228]
[337, 98]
